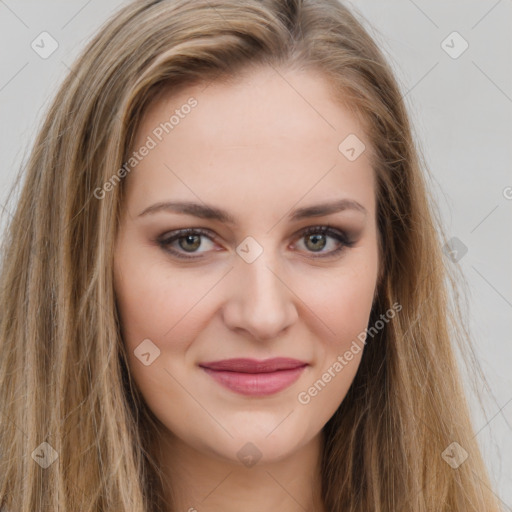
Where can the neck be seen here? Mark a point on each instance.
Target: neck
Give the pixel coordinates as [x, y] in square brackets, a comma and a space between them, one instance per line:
[204, 482]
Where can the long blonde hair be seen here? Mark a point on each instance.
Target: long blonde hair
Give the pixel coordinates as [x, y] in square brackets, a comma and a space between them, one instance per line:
[63, 370]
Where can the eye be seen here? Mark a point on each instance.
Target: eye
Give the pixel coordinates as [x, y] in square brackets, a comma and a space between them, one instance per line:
[316, 239]
[190, 240]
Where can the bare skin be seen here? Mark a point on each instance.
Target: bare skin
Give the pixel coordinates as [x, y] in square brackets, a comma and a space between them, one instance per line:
[259, 150]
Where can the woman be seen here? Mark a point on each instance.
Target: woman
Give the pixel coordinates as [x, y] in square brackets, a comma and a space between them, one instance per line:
[229, 279]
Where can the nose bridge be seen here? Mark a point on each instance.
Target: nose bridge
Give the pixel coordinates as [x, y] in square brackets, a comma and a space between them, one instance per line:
[260, 302]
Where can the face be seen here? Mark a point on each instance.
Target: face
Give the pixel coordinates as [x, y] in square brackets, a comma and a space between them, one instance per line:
[280, 261]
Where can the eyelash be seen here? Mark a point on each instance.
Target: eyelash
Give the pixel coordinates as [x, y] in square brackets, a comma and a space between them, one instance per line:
[340, 236]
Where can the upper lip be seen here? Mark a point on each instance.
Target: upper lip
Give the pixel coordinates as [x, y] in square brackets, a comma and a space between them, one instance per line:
[244, 365]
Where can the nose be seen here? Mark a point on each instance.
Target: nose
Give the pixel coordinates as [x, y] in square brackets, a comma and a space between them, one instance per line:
[260, 301]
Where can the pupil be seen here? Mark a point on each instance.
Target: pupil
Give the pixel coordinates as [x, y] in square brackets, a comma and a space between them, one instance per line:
[315, 239]
[189, 239]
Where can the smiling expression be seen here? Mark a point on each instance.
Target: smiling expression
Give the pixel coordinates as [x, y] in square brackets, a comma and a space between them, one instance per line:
[280, 260]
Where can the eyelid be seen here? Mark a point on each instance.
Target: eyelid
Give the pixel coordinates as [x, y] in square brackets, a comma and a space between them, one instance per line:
[167, 238]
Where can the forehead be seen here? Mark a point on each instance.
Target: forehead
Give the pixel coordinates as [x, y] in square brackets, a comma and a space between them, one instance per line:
[267, 133]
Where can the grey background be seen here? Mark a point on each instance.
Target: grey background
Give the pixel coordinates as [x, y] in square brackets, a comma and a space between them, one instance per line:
[460, 108]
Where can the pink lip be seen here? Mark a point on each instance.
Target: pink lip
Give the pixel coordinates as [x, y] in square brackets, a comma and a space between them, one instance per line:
[255, 378]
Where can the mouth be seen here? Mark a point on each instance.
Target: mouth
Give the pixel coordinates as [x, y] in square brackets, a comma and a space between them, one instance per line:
[255, 378]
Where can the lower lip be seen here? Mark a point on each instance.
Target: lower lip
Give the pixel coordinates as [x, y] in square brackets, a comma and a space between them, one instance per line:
[256, 384]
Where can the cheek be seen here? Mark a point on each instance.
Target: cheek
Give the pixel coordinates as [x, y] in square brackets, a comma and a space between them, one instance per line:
[343, 305]
[170, 309]
[153, 302]
[351, 308]
[159, 307]
[345, 309]
[341, 300]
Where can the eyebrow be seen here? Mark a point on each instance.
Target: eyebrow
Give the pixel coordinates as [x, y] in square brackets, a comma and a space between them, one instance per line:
[205, 211]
